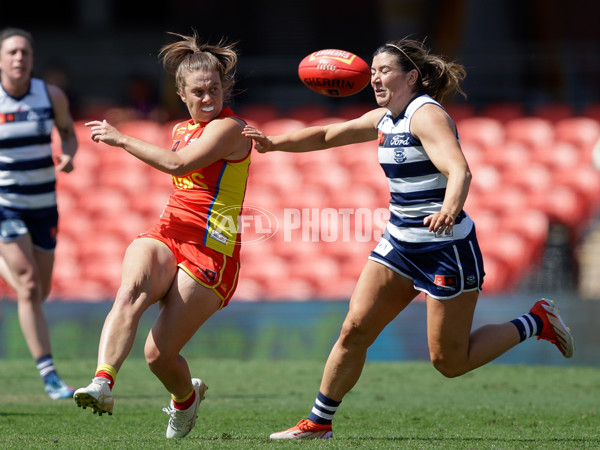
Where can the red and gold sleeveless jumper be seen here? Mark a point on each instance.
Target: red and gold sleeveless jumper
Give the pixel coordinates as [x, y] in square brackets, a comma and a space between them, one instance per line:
[200, 221]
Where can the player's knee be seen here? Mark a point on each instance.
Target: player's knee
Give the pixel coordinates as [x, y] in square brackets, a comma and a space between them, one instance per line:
[447, 367]
[355, 334]
[127, 297]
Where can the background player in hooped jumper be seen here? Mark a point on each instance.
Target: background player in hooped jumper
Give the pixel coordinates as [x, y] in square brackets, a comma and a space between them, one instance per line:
[29, 109]
[429, 244]
[189, 261]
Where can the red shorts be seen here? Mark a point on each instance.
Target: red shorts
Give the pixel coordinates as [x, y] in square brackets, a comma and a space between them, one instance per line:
[208, 267]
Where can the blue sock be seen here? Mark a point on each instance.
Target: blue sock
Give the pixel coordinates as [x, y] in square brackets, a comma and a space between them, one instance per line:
[45, 365]
[323, 410]
[528, 325]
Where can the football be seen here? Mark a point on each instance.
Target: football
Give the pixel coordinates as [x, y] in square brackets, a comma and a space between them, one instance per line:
[334, 73]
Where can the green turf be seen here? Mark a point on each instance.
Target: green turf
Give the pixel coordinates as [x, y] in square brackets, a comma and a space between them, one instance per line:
[395, 405]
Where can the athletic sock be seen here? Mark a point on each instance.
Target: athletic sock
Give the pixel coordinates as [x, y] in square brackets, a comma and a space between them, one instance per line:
[529, 325]
[45, 365]
[323, 410]
[185, 402]
[108, 372]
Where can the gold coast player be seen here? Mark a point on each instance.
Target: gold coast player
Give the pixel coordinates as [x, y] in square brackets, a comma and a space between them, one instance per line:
[189, 261]
[430, 243]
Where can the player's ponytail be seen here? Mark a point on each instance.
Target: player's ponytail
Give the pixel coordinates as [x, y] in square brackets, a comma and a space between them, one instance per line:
[438, 78]
[191, 55]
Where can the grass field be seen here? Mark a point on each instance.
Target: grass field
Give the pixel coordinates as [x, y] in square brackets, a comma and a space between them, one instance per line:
[395, 405]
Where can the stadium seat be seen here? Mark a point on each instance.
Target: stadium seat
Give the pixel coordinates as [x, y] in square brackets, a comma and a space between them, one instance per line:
[149, 131]
[325, 121]
[508, 155]
[534, 132]
[356, 196]
[532, 224]
[585, 181]
[308, 113]
[352, 111]
[486, 177]
[592, 111]
[330, 177]
[582, 132]
[264, 196]
[258, 113]
[512, 250]
[325, 158]
[560, 155]
[281, 126]
[510, 197]
[554, 111]
[290, 289]
[460, 111]
[128, 178]
[503, 111]
[104, 269]
[473, 153]
[483, 131]
[150, 202]
[497, 278]
[560, 204]
[249, 290]
[486, 220]
[530, 177]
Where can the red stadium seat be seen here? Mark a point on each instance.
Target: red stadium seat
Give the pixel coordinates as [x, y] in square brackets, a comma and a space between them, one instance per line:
[486, 177]
[460, 111]
[531, 224]
[356, 196]
[349, 112]
[308, 113]
[592, 111]
[321, 272]
[559, 156]
[509, 197]
[498, 278]
[534, 132]
[258, 113]
[531, 177]
[483, 131]
[585, 181]
[554, 111]
[249, 290]
[503, 111]
[105, 202]
[561, 204]
[508, 155]
[473, 153]
[504, 247]
[330, 177]
[281, 126]
[325, 121]
[147, 130]
[582, 132]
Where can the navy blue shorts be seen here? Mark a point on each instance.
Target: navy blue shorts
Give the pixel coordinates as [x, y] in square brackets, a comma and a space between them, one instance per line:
[42, 225]
[443, 273]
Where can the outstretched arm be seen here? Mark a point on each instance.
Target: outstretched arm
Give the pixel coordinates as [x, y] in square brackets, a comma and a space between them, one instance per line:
[221, 139]
[309, 139]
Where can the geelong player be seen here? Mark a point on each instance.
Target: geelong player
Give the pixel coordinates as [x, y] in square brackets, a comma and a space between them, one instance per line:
[429, 244]
[29, 109]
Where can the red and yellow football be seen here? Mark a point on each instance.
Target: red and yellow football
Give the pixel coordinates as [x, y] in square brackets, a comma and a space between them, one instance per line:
[335, 73]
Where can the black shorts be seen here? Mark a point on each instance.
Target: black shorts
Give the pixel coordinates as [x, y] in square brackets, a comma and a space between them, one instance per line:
[41, 224]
